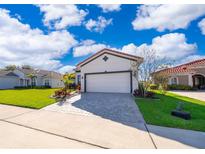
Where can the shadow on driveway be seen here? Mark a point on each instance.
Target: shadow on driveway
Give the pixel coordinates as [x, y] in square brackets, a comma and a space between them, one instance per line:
[116, 107]
[122, 108]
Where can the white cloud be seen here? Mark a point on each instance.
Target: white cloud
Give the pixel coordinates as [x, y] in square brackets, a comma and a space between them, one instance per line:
[110, 7]
[172, 46]
[87, 47]
[191, 58]
[20, 44]
[162, 17]
[130, 49]
[201, 25]
[98, 25]
[66, 69]
[62, 16]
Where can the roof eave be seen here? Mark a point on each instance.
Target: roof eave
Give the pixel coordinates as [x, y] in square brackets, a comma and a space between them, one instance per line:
[128, 56]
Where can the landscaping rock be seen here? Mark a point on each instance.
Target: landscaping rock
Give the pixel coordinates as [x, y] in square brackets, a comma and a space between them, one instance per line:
[181, 114]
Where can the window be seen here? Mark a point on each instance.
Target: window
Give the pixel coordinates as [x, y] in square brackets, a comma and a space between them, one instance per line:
[174, 81]
[27, 82]
[21, 82]
[46, 82]
[33, 81]
[78, 79]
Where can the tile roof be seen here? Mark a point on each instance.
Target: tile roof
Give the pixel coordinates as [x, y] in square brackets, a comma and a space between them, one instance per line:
[184, 68]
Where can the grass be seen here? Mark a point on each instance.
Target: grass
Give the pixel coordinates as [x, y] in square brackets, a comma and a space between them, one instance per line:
[157, 112]
[31, 98]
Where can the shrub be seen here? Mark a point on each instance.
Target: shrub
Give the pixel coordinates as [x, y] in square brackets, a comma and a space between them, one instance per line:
[153, 87]
[32, 87]
[72, 86]
[41, 87]
[61, 95]
[149, 94]
[78, 87]
[140, 92]
[137, 93]
[179, 87]
[22, 87]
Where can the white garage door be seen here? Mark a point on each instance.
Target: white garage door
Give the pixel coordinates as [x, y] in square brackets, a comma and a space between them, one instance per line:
[110, 83]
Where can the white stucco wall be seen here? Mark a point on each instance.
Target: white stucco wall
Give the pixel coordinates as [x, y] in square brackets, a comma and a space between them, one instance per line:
[8, 82]
[20, 74]
[56, 83]
[113, 63]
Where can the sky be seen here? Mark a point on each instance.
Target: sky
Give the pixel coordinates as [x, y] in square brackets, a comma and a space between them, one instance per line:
[57, 37]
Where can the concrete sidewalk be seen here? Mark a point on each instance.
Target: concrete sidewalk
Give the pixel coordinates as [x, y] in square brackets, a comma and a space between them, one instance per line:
[93, 130]
[174, 138]
[8, 111]
[200, 95]
[27, 128]
[17, 136]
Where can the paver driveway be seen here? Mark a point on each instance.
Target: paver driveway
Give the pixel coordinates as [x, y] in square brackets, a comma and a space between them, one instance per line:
[113, 106]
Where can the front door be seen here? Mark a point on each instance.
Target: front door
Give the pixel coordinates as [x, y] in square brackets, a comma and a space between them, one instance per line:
[199, 81]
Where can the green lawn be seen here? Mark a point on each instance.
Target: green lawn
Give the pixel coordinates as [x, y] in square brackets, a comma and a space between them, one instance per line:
[31, 98]
[157, 112]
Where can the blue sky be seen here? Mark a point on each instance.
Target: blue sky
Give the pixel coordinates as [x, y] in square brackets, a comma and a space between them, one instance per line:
[176, 32]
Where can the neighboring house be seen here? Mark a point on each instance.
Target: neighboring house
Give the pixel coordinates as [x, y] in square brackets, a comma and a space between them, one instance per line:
[108, 71]
[20, 78]
[192, 74]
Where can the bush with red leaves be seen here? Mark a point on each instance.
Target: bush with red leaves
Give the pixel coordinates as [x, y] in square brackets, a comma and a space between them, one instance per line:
[149, 94]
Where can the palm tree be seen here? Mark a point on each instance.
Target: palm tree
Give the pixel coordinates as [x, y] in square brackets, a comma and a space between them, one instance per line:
[31, 76]
[68, 79]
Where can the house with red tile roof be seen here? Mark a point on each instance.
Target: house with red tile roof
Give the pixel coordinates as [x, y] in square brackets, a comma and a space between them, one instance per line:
[192, 74]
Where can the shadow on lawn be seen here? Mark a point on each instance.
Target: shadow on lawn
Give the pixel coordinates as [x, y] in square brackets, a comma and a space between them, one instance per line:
[188, 137]
[119, 108]
[189, 103]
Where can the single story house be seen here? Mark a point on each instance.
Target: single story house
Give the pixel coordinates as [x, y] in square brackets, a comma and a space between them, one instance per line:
[108, 71]
[20, 78]
[191, 74]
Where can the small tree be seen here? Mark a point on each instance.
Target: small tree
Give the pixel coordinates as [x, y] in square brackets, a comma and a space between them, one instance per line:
[152, 62]
[26, 67]
[10, 67]
[162, 80]
[68, 79]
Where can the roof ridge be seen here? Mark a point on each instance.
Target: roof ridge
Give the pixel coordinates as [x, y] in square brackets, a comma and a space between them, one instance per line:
[192, 62]
[111, 50]
[182, 66]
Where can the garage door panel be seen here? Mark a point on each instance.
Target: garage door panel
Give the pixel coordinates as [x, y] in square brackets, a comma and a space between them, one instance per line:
[110, 82]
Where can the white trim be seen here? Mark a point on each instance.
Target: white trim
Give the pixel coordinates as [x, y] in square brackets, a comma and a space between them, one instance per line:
[199, 74]
[110, 52]
[173, 77]
[190, 80]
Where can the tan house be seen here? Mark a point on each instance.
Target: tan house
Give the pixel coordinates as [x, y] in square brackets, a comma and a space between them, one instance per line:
[192, 74]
